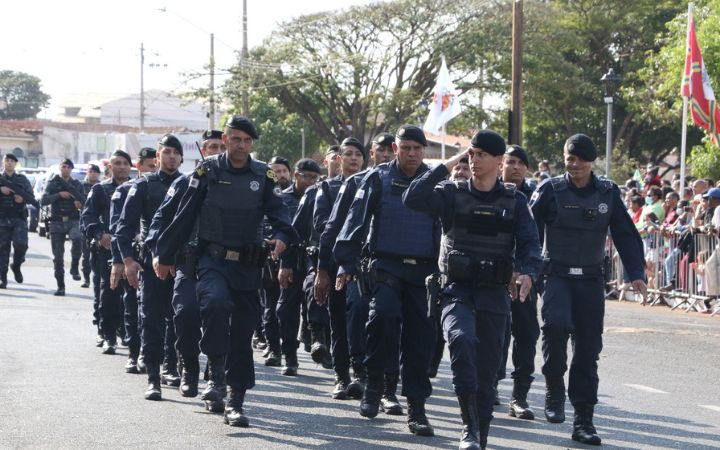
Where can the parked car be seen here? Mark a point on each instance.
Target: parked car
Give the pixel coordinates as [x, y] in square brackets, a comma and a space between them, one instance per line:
[35, 176]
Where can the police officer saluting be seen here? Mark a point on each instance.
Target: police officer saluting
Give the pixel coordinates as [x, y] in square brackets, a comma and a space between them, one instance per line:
[403, 245]
[13, 214]
[96, 223]
[230, 194]
[574, 211]
[484, 223]
[158, 331]
[65, 196]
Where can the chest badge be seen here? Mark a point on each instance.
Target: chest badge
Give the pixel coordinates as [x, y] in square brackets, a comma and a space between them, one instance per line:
[254, 186]
[603, 208]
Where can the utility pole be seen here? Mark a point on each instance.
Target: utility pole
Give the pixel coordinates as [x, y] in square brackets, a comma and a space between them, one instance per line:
[302, 136]
[243, 57]
[515, 125]
[142, 88]
[211, 117]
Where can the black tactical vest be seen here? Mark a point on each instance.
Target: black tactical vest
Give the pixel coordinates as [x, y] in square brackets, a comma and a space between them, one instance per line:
[577, 236]
[232, 213]
[155, 194]
[8, 208]
[63, 207]
[483, 231]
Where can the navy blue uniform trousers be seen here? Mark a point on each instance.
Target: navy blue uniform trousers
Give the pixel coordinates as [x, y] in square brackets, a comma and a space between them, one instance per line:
[186, 317]
[524, 329]
[574, 307]
[156, 314]
[398, 314]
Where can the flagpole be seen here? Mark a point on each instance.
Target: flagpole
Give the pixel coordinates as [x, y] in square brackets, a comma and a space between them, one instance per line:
[683, 146]
[442, 151]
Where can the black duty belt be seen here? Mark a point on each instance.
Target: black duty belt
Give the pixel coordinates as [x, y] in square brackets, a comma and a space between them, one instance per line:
[249, 254]
[554, 268]
[412, 260]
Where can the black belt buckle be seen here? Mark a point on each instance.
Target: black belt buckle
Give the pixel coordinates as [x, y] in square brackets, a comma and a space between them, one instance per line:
[65, 218]
[232, 255]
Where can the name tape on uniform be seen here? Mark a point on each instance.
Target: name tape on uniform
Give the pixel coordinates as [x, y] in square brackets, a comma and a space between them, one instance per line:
[360, 194]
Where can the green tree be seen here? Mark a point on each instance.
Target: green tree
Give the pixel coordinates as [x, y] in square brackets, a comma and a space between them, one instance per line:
[22, 95]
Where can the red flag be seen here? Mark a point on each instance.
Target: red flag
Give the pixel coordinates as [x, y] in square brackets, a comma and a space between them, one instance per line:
[696, 86]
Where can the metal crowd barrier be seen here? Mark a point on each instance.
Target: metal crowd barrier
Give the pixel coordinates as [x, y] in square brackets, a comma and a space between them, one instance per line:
[682, 271]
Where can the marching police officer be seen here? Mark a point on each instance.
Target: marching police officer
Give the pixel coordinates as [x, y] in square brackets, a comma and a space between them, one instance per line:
[96, 224]
[185, 305]
[294, 267]
[575, 211]
[523, 324]
[484, 223]
[91, 179]
[65, 196]
[158, 331]
[146, 164]
[230, 194]
[403, 247]
[15, 194]
[381, 151]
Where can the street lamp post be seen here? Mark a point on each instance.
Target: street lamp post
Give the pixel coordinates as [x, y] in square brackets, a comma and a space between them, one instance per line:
[610, 82]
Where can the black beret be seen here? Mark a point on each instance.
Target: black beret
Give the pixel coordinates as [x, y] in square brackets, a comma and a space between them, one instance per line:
[147, 153]
[124, 154]
[384, 139]
[518, 152]
[244, 124]
[411, 133]
[169, 140]
[281, 160]
[68, 162]
[93, 168]
[489, 142]
[308, 165]
[581, 146]
[11, 156]
[333, 149]
[352, 142]
[211, 134]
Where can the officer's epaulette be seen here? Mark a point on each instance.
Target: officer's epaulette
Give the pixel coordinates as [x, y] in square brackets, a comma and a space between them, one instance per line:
[559, 183]
[604, 184]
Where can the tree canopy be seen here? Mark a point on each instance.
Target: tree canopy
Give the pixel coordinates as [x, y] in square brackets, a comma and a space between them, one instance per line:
[22, 96]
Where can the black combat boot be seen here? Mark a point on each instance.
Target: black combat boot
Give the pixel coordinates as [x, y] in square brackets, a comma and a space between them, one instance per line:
[74, 272]
[15, 267]
[61, 287]
[469, 414]
[555, 400]
[170, 375]
[357, 385]
[417, 420]
[389, 402]
[131, 364]
[319, 350]
[153, 391]
[370, 402]
[342, 380]
[216, 390]
[109, 345]
[258, 341]
[583, 428]
[274, 358]
[190, 376]
[291, 364]
[3, 280]
[518, 403]
[233, 411]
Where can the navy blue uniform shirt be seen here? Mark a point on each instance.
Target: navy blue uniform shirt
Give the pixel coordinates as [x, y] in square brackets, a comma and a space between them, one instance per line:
[624, 234]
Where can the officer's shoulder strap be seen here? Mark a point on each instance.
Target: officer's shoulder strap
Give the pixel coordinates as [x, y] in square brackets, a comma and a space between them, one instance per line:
[559, 183]
[604, 184]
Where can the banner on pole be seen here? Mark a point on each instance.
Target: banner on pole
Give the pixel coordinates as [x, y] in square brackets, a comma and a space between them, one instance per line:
[445, 104]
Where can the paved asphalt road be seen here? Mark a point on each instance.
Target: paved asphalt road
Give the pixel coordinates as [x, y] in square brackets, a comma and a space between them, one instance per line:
[660, 388]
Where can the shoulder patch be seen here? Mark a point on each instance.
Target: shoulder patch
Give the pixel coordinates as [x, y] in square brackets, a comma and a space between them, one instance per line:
[132, 191]
[116, 195]
[271, 174]
[360, 194]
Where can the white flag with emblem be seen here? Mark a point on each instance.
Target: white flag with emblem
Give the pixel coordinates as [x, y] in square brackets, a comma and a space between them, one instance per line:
[445, 104]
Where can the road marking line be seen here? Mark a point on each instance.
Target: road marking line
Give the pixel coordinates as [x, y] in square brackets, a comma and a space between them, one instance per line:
[640, 387]
[711, 407]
